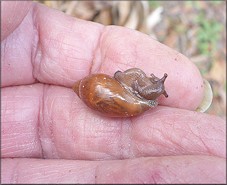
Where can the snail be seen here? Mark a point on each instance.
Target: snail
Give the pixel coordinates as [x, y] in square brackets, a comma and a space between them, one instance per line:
[126, 94]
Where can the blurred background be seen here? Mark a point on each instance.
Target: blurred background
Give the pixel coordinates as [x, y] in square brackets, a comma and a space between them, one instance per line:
[196, 29]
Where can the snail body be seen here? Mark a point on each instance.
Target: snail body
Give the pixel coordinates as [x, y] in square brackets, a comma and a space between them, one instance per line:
[127, 94]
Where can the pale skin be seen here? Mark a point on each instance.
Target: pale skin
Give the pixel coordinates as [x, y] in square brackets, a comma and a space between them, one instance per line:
[50, 136]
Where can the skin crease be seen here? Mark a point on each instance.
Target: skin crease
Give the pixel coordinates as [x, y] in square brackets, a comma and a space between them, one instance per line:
[43, 53]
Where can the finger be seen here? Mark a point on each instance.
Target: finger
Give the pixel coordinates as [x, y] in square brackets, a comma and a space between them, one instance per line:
[50, 122]
[177, 169]
[67, 49]
[13, 13]
[20, 121]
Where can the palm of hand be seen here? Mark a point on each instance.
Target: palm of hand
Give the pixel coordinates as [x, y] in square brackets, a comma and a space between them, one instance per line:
[44, 54]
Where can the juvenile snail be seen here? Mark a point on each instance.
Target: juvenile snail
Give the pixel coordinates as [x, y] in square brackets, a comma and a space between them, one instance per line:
[127, 94]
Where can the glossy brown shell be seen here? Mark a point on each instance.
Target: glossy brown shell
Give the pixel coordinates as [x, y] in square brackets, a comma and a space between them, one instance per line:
[126, 94]
[106, 95]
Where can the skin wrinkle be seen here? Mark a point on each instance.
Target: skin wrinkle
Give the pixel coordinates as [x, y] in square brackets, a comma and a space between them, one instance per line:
[103, 55]
[83, 136]
[15, 172]
[12, 141]
[121, 148]
[64, 69]
[96, 66]
[205, 145]
[136, 50]
[63, 77]
[96, 174]
[188, 125]
[153, 145]
[48, 119]
[207, 148]
[123, 141]
[200, 139]
[171, 137]
[154, 181]
[69, 49]
[53, 124]
[156, 178]
[71, 115]
[195, 143]
[122, 145]
[161, 142]
[171, 174]
[45, 65]
[171, 141]
[50, 63]
[129, 139]
[181, 144]
[101, 133]
[85, 131]
[40, 54]
[40, 120]
[145, 141]
[14, 152]
[110, 53]
[160, 168]
[17, 149]
[185, 138]
[37, 47]
[129, 61]
[57, 74]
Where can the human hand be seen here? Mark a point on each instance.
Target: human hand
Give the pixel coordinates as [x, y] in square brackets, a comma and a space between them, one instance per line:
[50, 136]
